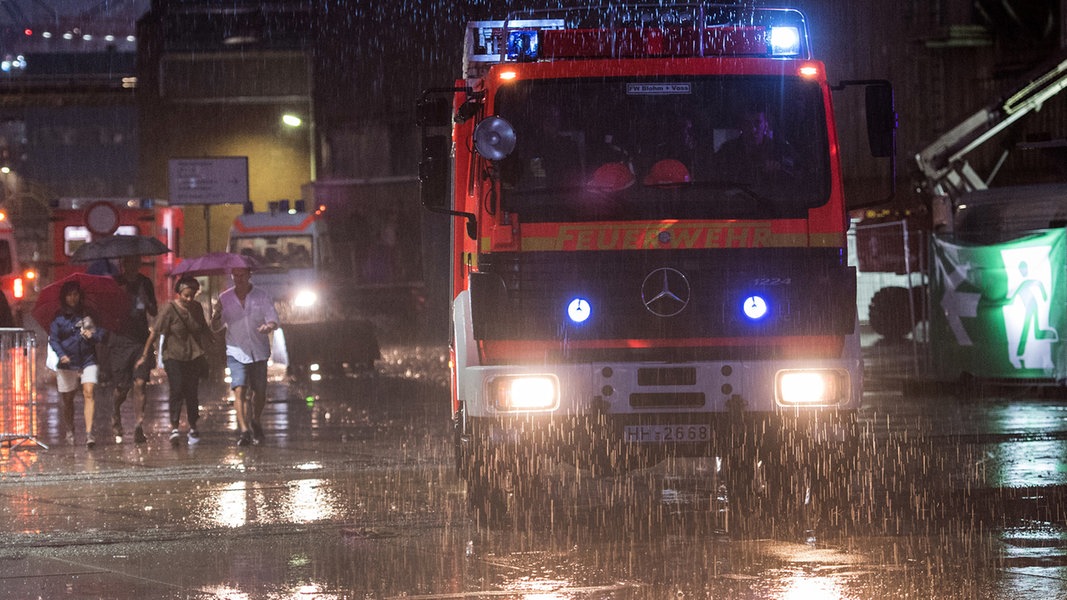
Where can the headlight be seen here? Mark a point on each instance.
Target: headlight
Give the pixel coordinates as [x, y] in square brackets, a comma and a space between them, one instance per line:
[811, 387]
[524, 392]
[305, 298]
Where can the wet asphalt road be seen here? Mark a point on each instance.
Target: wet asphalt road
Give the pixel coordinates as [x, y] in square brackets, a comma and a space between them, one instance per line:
[353, 497]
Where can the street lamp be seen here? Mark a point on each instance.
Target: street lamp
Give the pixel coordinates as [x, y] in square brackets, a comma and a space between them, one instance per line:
[292, 120]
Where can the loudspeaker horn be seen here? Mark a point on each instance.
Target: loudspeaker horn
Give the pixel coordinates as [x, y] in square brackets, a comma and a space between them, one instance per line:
[494, 138]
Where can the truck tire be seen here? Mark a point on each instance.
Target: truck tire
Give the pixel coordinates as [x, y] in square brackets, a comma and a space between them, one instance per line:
[890, 311]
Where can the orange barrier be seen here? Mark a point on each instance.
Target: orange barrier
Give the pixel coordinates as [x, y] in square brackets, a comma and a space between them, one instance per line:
[18, 387]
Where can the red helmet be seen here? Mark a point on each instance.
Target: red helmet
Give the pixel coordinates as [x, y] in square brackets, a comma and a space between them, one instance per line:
[667, 172]
[611, 177]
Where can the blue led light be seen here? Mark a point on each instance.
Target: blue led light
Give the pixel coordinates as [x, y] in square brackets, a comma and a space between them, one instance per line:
[755, 307]
[579, 310]
[523, 45]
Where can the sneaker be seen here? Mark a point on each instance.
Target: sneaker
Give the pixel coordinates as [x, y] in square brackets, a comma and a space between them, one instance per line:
[245, 439]
[118, 438]
[194, 435]
[69, 438]
[138, 435]
[175, 436]
[257, 433]
[90, 443]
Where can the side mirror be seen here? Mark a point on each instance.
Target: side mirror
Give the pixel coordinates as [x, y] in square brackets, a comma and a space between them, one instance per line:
[433, 171]
[881, 124]
[881, 121]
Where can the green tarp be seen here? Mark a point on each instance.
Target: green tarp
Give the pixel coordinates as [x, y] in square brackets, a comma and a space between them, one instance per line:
[997, 310]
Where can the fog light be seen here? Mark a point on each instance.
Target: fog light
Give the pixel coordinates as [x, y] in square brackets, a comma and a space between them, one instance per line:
[524, 392]
[811, 387]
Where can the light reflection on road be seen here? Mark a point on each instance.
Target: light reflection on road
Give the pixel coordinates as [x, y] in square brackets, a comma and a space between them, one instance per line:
[1037, 459]
[241, 503]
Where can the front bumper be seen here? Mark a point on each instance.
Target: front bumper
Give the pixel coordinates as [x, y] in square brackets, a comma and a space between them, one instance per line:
[624, 442]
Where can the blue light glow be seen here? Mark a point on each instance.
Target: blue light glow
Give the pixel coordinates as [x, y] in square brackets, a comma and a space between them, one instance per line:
[755, 307]
[523, 45]
[785, 41]
[579, 310]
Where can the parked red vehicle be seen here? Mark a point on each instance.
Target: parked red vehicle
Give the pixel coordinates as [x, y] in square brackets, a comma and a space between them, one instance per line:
[76, 221]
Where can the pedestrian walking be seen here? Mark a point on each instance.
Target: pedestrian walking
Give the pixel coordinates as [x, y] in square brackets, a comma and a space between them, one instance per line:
[182, 324]
[73, 336]
[248, 315]
[125, 346]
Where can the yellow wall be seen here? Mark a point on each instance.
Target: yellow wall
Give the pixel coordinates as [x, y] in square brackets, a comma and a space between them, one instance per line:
[279, 157]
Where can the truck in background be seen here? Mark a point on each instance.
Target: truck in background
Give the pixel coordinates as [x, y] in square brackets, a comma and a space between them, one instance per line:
[616, 299]
[16, 282]
[896, 239]
[75, 221]
[323, 325]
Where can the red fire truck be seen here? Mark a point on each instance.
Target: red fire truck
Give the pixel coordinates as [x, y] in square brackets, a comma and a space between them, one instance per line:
[624, 290]
[76, 221]
[15, 283]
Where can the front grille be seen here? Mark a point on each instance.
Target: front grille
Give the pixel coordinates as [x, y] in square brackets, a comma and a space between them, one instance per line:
[524, 295]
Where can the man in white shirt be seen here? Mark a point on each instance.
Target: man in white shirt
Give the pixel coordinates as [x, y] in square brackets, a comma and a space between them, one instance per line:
[249, 317]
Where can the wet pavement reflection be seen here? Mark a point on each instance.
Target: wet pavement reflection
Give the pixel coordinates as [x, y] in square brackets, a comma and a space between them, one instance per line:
[353, 496]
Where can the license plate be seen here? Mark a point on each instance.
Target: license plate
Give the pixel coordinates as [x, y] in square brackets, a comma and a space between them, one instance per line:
[666, 433]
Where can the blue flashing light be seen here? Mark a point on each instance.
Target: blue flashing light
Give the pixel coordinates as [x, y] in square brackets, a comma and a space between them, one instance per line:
[785, 41]
[754, 307]
[523, 45]
[579, 310]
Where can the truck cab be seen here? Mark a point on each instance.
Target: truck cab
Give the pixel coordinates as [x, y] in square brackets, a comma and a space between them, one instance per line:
[290, 247]
[623, 292]
[13, 281]
[319, 334]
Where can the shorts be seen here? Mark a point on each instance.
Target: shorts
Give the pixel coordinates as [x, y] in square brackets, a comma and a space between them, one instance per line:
[68, 379]
[250, 374]
[122, 354]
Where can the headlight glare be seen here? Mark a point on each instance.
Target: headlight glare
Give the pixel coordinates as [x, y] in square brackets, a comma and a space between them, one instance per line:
[814, 387]
[305, 298]
[524, 392]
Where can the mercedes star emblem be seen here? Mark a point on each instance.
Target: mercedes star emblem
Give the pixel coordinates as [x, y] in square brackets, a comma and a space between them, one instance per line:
[665, 292]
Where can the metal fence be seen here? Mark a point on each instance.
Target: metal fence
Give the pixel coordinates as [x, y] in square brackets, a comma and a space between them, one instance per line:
[892, 300]
[18, 387]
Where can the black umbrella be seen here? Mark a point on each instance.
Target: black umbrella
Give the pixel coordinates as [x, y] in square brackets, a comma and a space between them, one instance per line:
[117, 246]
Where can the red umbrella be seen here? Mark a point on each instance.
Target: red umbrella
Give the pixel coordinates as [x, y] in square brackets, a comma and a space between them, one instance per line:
[215, 263]
[104, 299]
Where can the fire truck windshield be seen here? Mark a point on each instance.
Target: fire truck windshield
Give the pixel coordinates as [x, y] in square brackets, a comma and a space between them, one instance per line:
[699, 147]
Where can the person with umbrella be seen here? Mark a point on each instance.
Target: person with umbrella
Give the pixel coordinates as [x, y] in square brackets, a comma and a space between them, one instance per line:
[73, 336]
[125, 345]
[182, 324]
